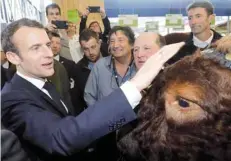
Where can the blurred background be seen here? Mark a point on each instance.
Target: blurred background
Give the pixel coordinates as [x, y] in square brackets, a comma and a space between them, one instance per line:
[151, 15]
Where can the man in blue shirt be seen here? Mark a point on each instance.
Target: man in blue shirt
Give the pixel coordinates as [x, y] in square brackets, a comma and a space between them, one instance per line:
[111, 72]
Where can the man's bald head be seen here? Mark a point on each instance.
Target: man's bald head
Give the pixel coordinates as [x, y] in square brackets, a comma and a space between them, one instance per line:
[146, 44]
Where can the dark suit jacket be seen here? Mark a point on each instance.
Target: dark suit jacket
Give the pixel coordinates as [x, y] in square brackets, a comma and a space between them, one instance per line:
[11, 149]
[7, 74]
[4, 78]
[47, 131]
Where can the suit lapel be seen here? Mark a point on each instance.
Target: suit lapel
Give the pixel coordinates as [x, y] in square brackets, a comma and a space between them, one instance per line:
[61, 109]
[24, 84]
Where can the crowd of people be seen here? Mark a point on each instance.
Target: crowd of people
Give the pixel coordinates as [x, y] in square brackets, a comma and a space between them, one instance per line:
[108, 95]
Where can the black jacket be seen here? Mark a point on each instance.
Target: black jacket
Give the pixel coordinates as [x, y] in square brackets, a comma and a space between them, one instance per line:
[7, 74]
[189, 48]
[81, 75]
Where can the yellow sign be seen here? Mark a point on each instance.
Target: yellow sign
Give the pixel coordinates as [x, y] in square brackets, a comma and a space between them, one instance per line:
[174, 21]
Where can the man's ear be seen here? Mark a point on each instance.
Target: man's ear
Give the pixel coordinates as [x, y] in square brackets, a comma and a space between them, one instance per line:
[13, 58]
[211, 18]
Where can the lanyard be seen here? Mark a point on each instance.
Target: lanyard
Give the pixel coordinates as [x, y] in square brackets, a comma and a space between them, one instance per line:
[115, 74]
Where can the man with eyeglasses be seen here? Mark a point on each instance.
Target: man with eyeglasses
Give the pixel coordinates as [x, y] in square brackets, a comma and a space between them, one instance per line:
[107, 75]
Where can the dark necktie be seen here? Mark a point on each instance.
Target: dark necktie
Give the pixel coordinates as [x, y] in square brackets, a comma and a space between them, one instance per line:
[54, 94]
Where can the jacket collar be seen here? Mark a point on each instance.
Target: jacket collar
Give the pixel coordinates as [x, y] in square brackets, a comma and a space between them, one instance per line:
[216, 36]
[23, 84]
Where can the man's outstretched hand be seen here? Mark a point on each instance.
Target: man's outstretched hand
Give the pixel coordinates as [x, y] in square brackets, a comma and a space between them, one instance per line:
[153, 65]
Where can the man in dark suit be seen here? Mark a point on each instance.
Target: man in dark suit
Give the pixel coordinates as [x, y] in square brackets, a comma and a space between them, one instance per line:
[32, 109]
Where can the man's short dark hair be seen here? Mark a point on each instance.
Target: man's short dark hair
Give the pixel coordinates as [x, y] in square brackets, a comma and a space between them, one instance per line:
[53, 5]
[127, 31]
[52, 34]
[8, 33]
[202, 4]
[87, 34]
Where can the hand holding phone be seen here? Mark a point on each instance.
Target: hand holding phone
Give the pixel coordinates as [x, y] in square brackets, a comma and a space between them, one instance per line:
[60, 24]
[51, 27]
[102, 13]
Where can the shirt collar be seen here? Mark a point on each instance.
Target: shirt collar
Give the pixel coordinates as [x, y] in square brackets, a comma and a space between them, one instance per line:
[90, 65]
[109, 63]
[202, 44]
[57, 57]
[36, 82]
[6, 65]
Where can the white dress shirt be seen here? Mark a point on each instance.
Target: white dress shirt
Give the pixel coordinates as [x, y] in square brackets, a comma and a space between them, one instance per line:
[131, 93]
[39, 83]
[202, 44]
[57, 57]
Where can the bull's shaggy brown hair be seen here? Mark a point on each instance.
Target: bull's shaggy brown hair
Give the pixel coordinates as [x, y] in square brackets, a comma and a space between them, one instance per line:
[193, 83]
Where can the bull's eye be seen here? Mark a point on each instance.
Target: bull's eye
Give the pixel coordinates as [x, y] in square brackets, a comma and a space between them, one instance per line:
[183, 103]
[184, 106]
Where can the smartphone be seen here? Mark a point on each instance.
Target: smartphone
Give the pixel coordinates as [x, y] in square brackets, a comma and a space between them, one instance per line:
[94, 9]
[60, 24]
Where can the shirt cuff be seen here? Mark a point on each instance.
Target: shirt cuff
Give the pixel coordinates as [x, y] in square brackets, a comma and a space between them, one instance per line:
[131, 93]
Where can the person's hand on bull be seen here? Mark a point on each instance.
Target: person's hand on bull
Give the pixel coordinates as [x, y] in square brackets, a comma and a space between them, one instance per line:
[224, 44]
